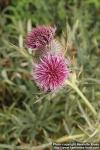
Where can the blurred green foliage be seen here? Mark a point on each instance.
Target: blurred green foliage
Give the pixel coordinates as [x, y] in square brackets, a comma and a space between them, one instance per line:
[24, 122]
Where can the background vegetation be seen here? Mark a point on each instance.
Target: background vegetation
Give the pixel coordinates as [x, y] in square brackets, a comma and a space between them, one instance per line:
[29, 117]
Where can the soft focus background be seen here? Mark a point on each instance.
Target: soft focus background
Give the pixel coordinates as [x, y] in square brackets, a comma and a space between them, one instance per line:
[25, 124]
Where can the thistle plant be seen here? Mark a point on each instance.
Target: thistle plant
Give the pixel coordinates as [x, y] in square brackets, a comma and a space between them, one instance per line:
[52, 70]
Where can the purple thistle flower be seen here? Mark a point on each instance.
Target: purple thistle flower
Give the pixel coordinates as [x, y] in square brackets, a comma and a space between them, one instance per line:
[51, 72]
[39, 37]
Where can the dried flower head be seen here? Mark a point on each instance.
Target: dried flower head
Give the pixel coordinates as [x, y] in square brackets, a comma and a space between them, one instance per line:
[51, 72]
[40, 36]
[55, 47]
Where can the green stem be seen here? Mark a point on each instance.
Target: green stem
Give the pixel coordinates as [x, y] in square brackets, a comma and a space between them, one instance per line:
[74, 86]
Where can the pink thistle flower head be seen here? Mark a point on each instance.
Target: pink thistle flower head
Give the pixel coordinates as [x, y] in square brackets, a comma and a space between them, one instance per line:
[40, 36]
[51, 72]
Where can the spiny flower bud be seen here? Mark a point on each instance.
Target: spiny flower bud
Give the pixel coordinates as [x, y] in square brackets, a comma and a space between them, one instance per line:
[40, 37]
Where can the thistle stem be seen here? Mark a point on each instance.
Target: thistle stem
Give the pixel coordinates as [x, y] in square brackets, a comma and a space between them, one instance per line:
[74, 86]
